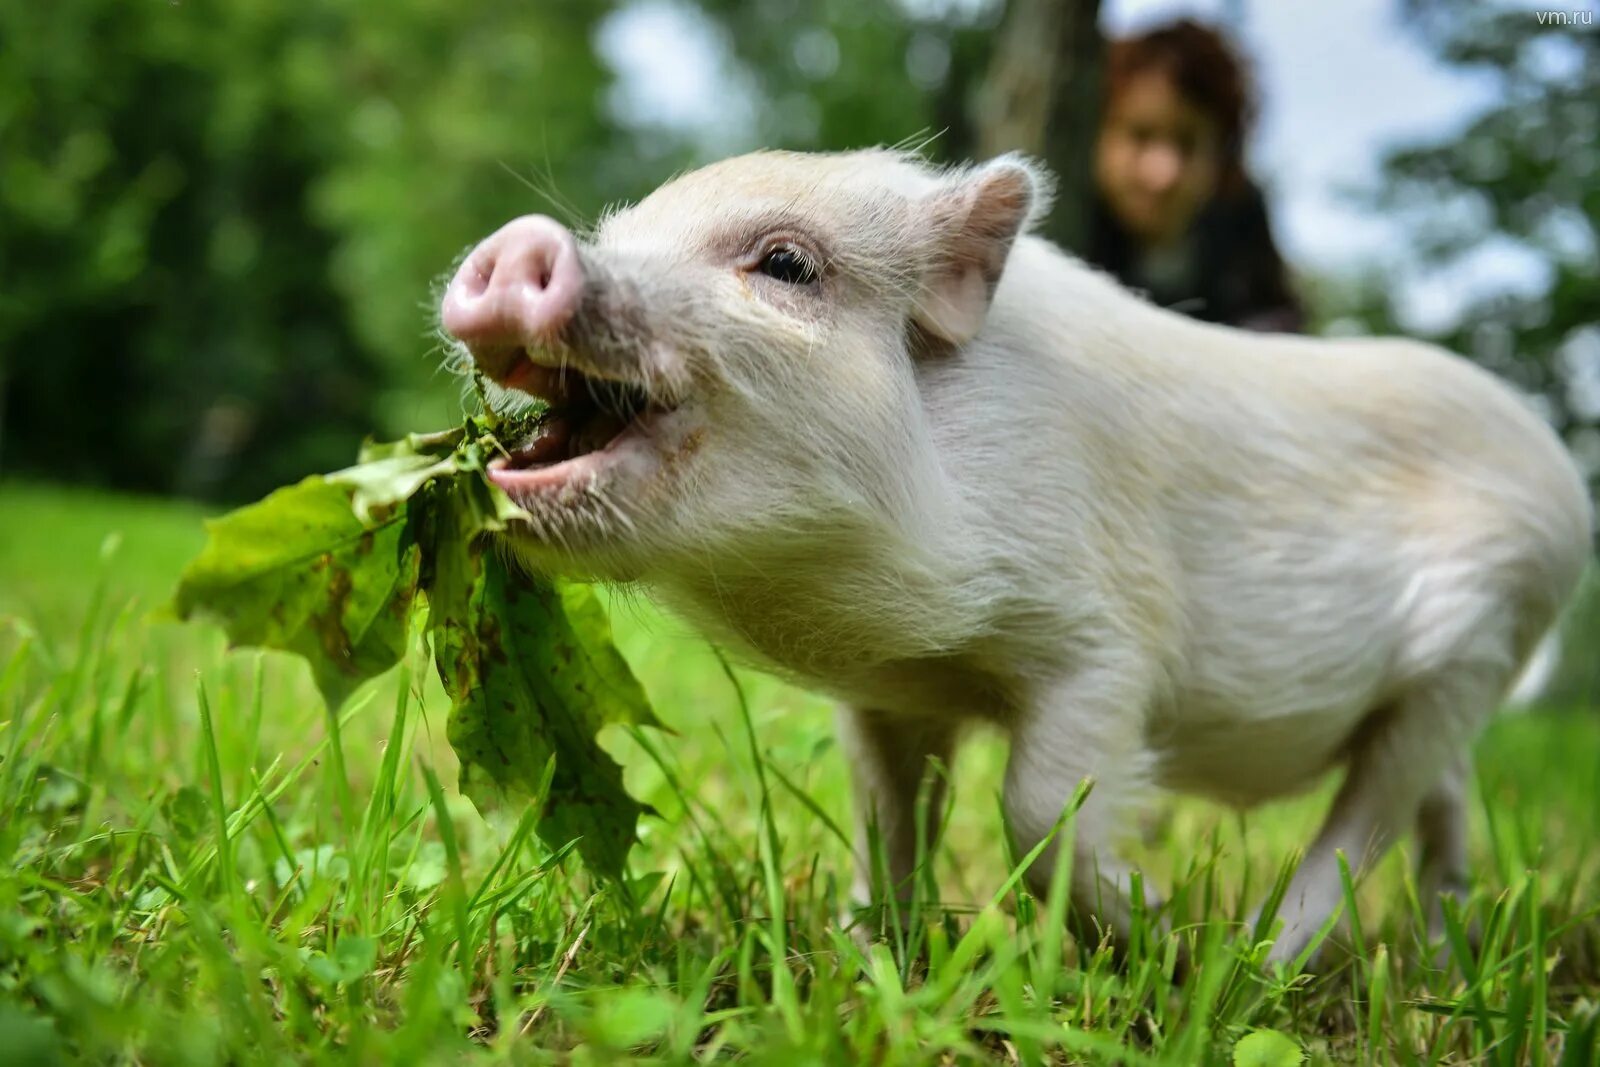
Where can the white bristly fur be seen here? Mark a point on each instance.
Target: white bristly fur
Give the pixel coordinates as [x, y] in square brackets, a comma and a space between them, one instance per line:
[1159, 553]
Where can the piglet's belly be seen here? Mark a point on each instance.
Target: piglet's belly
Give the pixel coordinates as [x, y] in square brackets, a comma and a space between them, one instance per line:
[1245, 760]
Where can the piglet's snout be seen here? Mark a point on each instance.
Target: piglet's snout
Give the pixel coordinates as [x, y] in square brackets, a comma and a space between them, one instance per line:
[518, 288]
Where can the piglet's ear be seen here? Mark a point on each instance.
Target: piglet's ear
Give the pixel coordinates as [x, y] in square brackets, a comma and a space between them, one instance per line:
[971, 223]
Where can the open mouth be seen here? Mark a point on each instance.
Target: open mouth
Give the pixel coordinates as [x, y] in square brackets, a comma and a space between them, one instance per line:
[587, 424]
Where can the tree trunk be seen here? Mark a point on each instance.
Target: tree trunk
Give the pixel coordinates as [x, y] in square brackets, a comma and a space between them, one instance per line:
[1042, 97]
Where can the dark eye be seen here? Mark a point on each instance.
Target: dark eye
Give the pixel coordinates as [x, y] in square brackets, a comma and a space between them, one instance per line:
[789, 265]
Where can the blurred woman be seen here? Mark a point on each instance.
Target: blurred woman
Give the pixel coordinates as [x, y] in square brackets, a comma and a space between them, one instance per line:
[1175, 214]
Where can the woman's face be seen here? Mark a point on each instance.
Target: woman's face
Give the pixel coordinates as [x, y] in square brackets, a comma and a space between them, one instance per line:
[1158, 158]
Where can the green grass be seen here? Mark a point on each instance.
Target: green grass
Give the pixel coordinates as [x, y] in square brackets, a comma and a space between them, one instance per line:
[204, 871]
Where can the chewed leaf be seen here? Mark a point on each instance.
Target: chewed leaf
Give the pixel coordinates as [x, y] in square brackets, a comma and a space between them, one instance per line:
[530, 681]
[394, 471]
[300, 572]
[331, 568]
[381, 485]
[436, 445]
[600, 680]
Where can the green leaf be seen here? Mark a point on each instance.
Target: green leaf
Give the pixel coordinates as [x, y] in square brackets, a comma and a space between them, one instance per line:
[533, 673]
[331, 568]
[1267, 1048]
[352, 959]
[311, 865]
[382, 485]
[623, 1018]
[57, 792]
[418, 444]
[187, 813]
[299, 571]
[29, 1039]
[458, 515]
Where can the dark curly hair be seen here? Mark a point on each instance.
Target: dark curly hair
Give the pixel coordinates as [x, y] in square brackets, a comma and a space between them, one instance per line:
[1205, 70]
[1241, 279]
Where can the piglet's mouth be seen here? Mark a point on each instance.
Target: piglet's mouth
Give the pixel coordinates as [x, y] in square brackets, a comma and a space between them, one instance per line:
[590, 422]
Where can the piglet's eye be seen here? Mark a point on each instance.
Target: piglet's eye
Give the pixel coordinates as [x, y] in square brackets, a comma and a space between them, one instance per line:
[789, 265]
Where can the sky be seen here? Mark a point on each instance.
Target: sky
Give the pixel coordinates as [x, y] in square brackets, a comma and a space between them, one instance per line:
[1339, 83]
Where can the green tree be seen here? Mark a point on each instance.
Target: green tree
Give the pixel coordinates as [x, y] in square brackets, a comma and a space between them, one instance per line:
[1526, 170]
[163, 307]
[223, 226]
[437, 122]
[220, 223]
[961, 81]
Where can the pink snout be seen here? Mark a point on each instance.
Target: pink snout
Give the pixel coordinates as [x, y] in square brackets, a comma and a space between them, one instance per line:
[518, 288]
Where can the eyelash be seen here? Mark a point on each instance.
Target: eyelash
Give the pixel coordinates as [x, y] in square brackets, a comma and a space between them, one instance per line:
[790, 265]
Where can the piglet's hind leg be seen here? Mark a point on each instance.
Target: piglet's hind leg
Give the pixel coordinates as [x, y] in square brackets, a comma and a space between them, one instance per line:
[1404, 755]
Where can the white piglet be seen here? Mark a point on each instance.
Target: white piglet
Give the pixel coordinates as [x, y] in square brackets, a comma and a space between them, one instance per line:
[846, 415]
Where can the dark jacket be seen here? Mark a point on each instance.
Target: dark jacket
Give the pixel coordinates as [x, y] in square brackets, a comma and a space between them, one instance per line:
[1234, 274]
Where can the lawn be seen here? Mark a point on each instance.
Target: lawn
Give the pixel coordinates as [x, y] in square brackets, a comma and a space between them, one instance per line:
[208, 868]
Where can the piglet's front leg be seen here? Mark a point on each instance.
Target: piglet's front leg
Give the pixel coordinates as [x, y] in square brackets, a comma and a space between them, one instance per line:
[890, 756]
[1086, 728]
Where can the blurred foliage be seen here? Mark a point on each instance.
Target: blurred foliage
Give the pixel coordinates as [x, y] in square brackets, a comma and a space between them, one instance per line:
[156, 263]
[219, 223]
[1525, 173]
[840, 73]
[222, 225]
